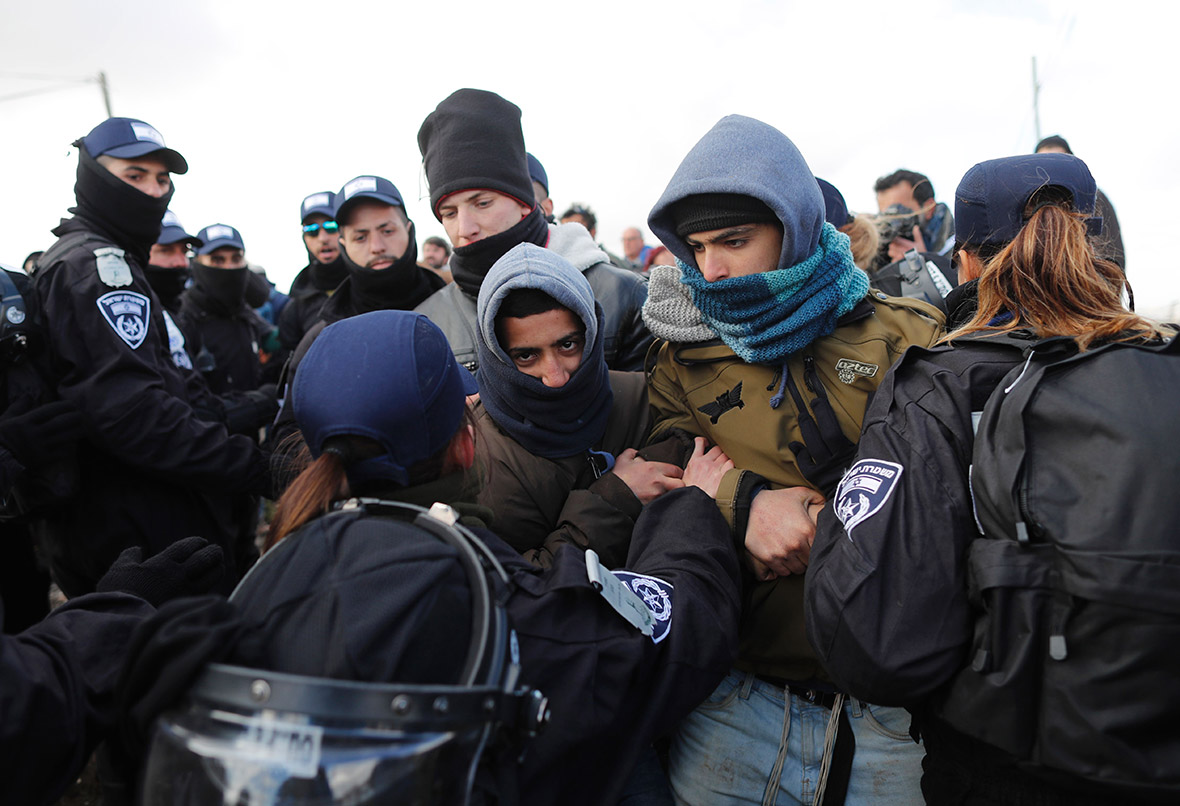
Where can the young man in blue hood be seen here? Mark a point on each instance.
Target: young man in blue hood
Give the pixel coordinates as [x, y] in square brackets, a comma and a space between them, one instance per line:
[775, 344]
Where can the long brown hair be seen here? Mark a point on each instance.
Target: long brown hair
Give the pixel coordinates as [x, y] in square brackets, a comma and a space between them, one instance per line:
[323, 481]
[1049, 279]
[309, 496]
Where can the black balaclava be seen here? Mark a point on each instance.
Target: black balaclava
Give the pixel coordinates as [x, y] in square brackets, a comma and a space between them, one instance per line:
[168, 283]
[471, 263]
[129, 216]
[327, 276]
[400, 287]
[220, 291]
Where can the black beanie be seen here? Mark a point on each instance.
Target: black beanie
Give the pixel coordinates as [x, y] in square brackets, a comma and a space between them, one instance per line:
[473, 139]
[708, 211]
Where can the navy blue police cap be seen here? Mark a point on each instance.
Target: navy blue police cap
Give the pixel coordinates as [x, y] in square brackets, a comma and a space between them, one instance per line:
[127, 138]
[537, 172]
[216, 236]
[991, 197]
[323, 202]
[389, 376]
[366, 187]
[835, 209]
[172, 231]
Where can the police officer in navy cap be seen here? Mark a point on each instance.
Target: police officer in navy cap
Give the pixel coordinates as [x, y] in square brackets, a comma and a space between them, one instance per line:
[167, 268]
[325, 269]
[150, 470]
[380, 254]
[215, 310]
[354, 593]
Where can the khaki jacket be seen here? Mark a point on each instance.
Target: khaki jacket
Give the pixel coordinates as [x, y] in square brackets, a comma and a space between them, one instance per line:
[705, 389]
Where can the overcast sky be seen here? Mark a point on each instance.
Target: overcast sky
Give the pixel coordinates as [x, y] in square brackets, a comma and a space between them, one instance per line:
[270, 102]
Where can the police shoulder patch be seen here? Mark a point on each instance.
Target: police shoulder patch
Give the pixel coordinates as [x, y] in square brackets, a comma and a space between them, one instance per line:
[176, 346]
[657, 597]
[864, 490]
[128, 314]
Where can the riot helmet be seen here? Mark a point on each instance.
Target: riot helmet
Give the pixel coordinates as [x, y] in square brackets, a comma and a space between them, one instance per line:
[259, 737]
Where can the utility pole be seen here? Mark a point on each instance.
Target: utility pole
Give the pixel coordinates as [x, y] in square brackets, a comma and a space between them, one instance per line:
[106, 93]
[1036, 99]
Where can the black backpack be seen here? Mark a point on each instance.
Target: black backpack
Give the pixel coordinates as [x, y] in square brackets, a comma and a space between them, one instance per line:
[1075, 662]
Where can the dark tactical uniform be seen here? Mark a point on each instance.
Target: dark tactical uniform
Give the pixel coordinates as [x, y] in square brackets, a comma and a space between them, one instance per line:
[232, 339]
[55, 684]
[151, 472]
[612, 690]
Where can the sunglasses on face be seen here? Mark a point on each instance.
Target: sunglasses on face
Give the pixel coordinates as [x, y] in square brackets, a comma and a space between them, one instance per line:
[312, 229]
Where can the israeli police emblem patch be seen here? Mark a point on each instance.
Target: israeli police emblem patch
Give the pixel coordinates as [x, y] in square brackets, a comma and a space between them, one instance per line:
[128, 314]
[176, 344]
[112, 267]
[864, 490]
[657, 597]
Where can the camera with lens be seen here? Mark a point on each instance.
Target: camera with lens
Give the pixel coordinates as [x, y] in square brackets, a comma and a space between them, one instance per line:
[896, 221]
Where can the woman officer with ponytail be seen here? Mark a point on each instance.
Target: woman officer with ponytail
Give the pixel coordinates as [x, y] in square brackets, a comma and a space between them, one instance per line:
[381, 404]
[889, 608]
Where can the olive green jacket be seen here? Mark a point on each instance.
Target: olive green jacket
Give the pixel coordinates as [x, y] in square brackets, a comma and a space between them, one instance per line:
[705, 389]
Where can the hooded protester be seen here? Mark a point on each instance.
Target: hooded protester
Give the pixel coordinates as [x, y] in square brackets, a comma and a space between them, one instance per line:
[943, 583]
[379, 253]
[481, 190]
[215, 311]
[775, 345]
[150, 471]
[324, 273]
[559, 430]
[365, 590]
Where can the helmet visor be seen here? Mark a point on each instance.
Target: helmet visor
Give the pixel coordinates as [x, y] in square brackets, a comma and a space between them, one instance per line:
[205, 756]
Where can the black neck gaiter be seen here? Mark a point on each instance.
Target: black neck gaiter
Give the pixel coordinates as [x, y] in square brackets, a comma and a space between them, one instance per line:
[471, 263]
[128, 216]
[220, 291]
[326, 276]
[168, 283]
[400, 287]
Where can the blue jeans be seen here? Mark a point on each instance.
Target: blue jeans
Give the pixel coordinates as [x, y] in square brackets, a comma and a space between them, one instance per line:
[753, 742]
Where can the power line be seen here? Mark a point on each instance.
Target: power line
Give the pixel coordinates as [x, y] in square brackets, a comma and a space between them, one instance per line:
[71, 83]
[40, 77]
[39, 91]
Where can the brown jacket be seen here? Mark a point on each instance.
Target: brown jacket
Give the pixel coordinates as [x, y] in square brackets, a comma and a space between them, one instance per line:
[541, 504]
[705, 389]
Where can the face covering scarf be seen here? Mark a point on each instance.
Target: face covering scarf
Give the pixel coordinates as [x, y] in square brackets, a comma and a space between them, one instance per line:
[766, 317]
[471, 263]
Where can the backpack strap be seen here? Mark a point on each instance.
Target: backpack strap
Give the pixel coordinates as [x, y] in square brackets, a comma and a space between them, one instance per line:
[1001, 424]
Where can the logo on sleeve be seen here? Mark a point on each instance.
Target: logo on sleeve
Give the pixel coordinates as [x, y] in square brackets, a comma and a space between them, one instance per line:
[128, 314]
[657, 597]
[724, 402]
[864, 490]
[176, 344]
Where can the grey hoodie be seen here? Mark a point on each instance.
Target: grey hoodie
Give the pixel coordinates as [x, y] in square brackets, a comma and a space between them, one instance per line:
[747, 156]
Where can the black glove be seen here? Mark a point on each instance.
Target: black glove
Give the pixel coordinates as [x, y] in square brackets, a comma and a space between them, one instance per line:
[166, 653]
[246, 412]
[38, 436]
[188, 567]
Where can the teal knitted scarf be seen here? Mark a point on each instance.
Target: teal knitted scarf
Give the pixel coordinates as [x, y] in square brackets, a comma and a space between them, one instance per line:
[766, 317]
